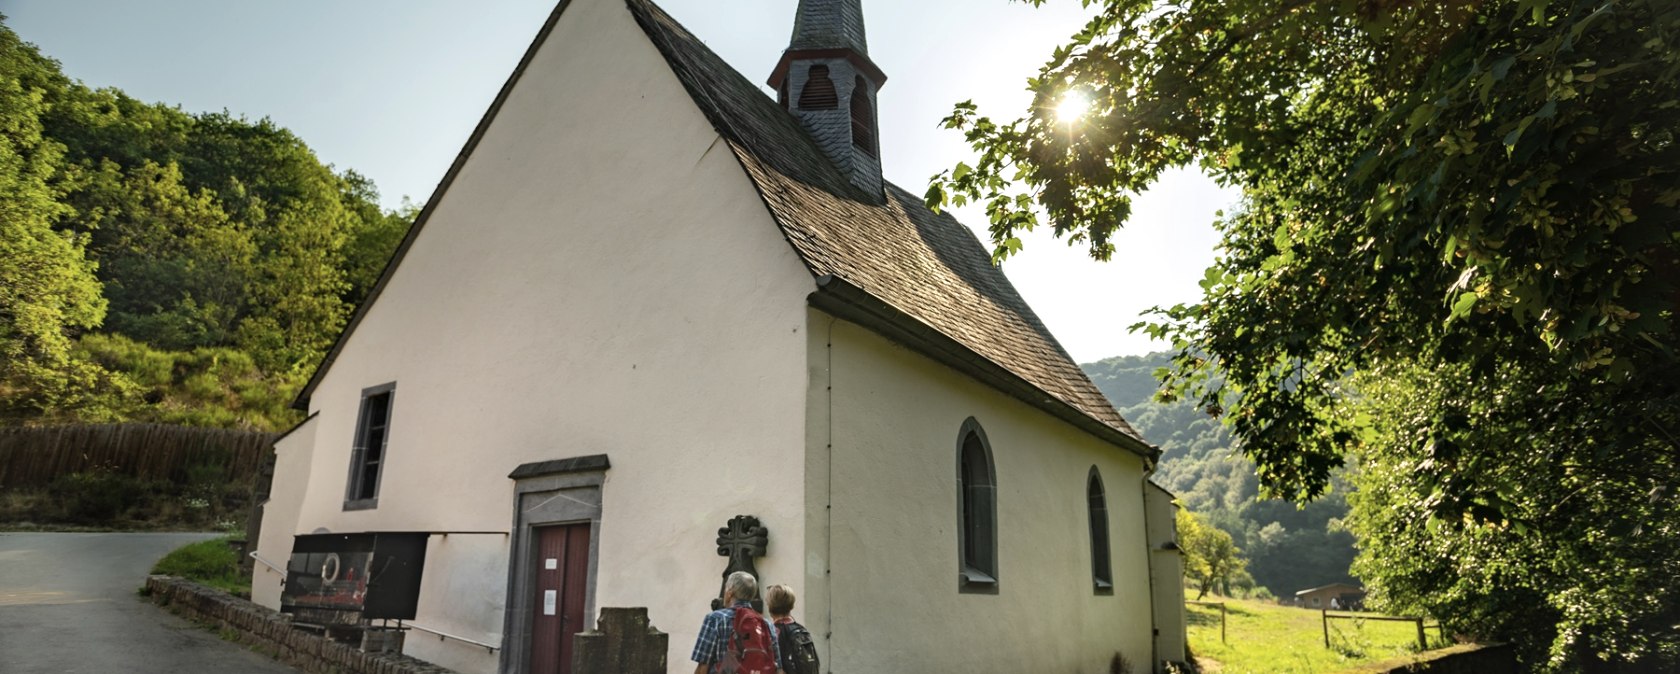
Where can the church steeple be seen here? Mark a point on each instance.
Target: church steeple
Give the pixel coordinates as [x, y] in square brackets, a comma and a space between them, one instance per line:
[826, 79]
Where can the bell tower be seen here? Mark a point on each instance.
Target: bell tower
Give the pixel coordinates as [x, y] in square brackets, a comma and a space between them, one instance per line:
[826, 79]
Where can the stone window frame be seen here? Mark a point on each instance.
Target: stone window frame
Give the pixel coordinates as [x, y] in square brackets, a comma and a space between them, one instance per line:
[1102, 551]
[976, 576]
[354, 499]
[547, 493]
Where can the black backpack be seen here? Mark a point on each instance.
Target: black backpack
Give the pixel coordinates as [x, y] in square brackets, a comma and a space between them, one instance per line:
[799, 653]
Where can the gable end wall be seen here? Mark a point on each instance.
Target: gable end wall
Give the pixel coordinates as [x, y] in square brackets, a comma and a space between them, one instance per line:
[599, 278]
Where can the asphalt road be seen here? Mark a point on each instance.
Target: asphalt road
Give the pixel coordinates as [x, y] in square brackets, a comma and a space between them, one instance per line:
[68, 604]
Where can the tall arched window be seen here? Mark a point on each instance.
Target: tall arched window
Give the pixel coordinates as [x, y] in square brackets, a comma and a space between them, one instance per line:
[863, 118]
[976, 511]
[818, 93]
[1102, 575]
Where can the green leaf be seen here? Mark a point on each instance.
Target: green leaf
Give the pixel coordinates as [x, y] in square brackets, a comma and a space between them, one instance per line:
[1466, 302]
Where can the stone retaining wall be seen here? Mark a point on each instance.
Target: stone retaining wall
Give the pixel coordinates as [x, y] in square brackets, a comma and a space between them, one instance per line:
[1463, 659]
[272, 633]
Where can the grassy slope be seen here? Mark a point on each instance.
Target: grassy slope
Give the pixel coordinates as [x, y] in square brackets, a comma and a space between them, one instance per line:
[1263, 638]
[210, 562]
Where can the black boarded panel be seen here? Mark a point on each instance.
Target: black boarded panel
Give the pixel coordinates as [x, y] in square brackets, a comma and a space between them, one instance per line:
[376, 574]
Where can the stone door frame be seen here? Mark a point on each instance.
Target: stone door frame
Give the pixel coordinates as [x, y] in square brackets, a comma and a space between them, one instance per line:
[564, 491]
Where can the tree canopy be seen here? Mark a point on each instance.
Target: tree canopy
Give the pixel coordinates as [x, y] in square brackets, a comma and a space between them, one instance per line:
[136, 234]
[1473, 200]
[1211, 557]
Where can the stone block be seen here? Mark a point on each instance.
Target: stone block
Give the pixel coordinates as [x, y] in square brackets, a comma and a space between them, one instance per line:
[623, 641]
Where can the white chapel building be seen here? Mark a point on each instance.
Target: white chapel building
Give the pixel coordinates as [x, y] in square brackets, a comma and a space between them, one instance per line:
[648, 298]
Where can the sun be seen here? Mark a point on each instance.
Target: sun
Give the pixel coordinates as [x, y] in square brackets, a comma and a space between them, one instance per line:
[1075, 103]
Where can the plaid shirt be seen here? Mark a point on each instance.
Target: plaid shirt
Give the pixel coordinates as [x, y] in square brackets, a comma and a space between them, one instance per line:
[714, 637]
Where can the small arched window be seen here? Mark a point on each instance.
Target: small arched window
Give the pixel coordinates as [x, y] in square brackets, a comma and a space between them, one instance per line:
[1102, 575]
[818, 93]
[863, 118]
[976, 511]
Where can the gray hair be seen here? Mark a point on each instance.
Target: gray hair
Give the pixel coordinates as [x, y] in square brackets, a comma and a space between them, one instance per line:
[742, 586]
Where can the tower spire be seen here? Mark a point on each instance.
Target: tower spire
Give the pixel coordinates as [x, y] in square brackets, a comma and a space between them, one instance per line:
[827, 80]
[830, 25]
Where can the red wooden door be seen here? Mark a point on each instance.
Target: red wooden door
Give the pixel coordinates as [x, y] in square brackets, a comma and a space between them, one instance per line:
[561, 584]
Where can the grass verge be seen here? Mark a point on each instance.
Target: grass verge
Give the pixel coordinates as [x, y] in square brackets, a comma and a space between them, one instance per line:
[1268, 639]
[209, 562]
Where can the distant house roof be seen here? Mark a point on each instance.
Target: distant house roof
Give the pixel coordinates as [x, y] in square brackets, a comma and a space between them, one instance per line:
[1332, 586]
[926, 265]
[926, 269]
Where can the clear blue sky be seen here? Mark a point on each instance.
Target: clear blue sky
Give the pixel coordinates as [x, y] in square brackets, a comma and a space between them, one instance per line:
[392, 88]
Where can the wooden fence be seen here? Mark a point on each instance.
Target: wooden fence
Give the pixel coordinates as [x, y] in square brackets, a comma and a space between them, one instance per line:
[1423, 640]
[1221, 606]
[34, 456]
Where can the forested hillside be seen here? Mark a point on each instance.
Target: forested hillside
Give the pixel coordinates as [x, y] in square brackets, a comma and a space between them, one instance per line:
[1288, 548]
[160, 265]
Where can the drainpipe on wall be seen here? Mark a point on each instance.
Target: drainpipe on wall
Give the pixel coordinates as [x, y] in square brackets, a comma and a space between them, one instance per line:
[1149, 569]
[828, 498]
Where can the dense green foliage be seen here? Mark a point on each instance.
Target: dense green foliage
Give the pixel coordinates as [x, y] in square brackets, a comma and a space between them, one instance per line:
[1472, 200]
[1584, 541]
[1211, 558]
[47, 286]
[217, 255]
[1289, 547]
[203, 499]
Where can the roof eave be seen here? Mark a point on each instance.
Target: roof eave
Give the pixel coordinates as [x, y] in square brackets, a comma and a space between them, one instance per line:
[842, 299]
[301, 403]
[860, 60]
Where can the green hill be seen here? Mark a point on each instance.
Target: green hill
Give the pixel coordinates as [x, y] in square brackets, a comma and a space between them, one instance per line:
[1289, 548]
[167, 266]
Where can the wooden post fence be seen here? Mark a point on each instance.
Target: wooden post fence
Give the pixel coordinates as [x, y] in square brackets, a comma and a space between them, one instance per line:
[1221, 606]
[1324, 618]
[34, 456]
[1423, 639]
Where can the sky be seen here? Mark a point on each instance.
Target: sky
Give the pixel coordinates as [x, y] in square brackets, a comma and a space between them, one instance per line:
[392, 89]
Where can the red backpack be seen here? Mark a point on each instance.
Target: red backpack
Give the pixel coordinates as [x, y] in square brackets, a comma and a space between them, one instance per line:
[748, 649]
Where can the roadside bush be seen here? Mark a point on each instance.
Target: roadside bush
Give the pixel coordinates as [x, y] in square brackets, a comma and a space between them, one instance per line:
[110, 499]
[97, 497]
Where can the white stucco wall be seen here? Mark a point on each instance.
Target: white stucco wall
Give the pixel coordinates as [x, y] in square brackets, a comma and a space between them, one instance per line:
[601, 278]
[1166, 574]
[293, 456]
[892, 600]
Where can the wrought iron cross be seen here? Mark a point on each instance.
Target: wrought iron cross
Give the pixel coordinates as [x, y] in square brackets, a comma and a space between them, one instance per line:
[742, 541]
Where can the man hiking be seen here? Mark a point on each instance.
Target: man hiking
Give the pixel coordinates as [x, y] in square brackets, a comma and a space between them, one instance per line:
[736, 639]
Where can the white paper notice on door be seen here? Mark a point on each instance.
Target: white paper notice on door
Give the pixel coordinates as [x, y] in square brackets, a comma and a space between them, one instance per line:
[549, 599]
[551, 564]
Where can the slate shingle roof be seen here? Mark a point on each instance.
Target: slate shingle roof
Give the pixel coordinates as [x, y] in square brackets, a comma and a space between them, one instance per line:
[830, 24]
[925, 265]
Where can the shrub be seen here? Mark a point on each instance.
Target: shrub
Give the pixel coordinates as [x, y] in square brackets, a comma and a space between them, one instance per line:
[97, 497]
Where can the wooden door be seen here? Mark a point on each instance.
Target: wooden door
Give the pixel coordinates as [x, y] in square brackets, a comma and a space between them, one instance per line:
[561, 585]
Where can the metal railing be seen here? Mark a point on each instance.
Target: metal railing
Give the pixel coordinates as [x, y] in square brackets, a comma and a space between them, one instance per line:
[445, 635]
[269, 564]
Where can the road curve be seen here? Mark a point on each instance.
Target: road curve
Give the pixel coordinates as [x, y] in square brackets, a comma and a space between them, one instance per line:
[68, 605]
